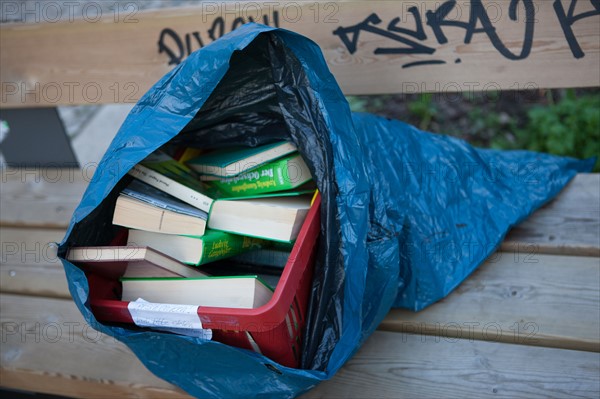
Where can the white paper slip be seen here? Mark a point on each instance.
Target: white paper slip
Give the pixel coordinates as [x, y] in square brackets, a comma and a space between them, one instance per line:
[178, 319]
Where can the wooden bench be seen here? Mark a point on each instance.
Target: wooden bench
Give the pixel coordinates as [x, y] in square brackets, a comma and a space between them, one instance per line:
[525, 324]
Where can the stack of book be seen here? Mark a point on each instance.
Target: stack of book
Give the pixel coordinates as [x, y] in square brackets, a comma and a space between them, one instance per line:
[213, 230]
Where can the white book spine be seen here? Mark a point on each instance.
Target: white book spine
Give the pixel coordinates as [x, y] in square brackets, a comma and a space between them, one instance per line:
[171, 187]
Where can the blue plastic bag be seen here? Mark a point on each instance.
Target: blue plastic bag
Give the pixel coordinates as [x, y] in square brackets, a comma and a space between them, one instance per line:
[406, 215]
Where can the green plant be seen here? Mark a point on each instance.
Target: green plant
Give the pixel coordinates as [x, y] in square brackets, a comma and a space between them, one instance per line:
[424, 109]
[357, 103]
[368, 103]
[487, 125]
[568, 127]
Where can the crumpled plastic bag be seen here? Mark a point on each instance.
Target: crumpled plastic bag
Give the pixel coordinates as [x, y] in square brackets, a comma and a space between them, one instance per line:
[406, 215]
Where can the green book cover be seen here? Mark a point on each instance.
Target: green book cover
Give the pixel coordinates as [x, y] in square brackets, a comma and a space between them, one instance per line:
[162, 163]
[286, 173]
[220, 245]
[195, 250]
[232, 161]
[307, 188]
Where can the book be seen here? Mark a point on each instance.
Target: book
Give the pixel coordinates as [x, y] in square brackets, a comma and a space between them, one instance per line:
[144, 192]
[285, 173]
[232, 161]
[277, 218]
[243, 292]
[163, 163]
[187, 154]
[270, 257]
[131, 261]
[140, 206]
[231, 267]
[181, 186]
[195, 250]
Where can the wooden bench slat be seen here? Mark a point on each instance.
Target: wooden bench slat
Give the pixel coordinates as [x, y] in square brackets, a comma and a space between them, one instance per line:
[392, 365]
[520, 294]
[30, 246]
[46, 342]
[127, 57]
[388, 365]
[36, 280]
[29, 265]
[41, 197]
[539, 300]
[568, 225]
[53, 383]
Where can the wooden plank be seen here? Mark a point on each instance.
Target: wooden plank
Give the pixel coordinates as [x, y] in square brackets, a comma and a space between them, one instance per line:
[42, 197]
[30, 246]
[37, 332]
[393, 365]
[527, 299]
[568, 225]
[389, 364]
[47, 281]
[29, 263]
[517, 297]
[50, 382]
[51, 63]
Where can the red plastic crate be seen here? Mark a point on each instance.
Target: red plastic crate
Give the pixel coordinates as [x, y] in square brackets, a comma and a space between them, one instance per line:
[275, 329]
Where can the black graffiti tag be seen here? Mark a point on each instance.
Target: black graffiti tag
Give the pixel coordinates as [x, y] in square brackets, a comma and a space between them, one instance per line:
[177, 48]
[393, 32]
[567, 19]
[410, 41]
[176, 51]
[436, 20]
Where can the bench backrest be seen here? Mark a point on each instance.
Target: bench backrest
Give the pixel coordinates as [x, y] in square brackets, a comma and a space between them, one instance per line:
[93, 56]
